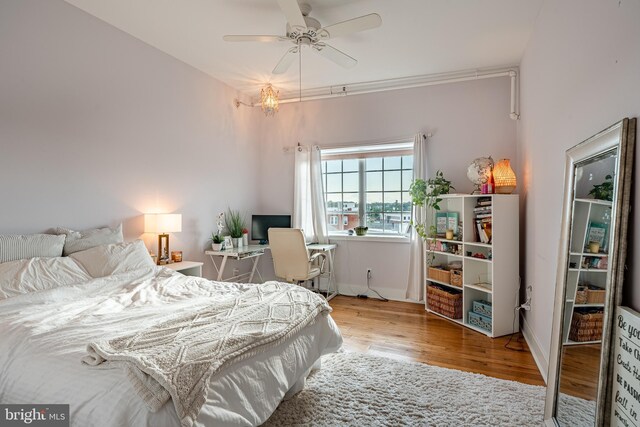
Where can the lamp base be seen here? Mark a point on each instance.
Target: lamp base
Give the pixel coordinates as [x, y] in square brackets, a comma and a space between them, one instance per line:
[505, 189]
[163, 249]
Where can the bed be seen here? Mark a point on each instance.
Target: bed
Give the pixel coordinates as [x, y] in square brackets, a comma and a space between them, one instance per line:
[54, 310]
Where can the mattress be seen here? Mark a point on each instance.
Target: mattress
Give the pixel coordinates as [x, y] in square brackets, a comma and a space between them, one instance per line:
[45, 335]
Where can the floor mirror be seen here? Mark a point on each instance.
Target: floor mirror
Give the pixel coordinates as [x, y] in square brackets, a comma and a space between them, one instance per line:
[590, 275]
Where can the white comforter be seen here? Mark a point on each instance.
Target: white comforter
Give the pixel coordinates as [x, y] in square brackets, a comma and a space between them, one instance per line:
[44, 334]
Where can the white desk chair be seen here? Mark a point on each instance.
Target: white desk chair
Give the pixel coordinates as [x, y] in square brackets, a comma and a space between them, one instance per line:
[291, 260]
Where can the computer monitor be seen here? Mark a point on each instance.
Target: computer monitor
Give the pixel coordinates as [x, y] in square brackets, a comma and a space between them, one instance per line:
[260, 225]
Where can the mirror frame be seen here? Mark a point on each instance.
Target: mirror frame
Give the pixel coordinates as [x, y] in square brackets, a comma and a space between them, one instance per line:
[621, 136]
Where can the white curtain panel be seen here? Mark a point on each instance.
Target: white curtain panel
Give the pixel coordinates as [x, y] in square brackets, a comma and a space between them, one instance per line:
[309, 211]
[415, 284]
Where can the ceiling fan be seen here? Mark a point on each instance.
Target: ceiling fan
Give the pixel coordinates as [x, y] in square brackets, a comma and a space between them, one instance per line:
[302, 30]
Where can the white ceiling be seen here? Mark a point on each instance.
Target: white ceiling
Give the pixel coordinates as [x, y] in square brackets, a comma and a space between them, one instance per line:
[417, 37]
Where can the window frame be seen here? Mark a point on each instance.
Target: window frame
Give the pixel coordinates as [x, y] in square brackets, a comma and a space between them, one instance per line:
[361, 155]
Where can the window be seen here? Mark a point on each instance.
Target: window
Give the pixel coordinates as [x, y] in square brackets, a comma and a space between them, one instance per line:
[368, 186]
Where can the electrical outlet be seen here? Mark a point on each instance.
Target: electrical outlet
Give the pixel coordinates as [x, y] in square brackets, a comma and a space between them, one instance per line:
[368, 273]
[236, 271]
[527, 303]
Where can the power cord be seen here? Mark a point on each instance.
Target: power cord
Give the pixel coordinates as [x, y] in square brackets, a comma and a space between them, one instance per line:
[369, 289]
[513, 328]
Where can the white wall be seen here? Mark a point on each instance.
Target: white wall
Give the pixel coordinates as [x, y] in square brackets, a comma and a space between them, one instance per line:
[97, 127]
[580, 74]
[468, 120]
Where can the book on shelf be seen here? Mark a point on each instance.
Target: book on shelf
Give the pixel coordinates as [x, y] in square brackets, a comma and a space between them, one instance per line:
[484, 215]
[441, 223]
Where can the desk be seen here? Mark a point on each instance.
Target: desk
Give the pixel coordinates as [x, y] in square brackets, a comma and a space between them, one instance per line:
[253, 252]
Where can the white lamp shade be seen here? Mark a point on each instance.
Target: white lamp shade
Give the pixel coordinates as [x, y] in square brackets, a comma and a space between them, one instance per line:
[162, 223]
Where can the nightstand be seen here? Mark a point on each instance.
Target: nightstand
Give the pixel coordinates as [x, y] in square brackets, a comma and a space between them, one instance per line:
[188, 268]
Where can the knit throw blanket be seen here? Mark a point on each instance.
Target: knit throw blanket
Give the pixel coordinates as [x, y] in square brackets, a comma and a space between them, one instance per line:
[176, 359]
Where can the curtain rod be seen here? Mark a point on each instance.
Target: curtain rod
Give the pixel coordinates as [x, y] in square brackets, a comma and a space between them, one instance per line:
[363, 143]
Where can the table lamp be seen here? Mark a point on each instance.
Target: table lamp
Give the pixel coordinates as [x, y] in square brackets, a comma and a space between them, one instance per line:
[163, 224]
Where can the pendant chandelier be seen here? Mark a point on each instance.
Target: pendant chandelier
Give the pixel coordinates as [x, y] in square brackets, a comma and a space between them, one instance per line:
[269, 100]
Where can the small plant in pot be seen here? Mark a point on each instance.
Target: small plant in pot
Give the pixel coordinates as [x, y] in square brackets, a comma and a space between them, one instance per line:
[235, 224]
[361, 230]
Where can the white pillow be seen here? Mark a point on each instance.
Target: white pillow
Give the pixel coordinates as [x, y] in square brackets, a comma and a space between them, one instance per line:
[117, 258]
[82, 240]
[13, 247]
[35, 274]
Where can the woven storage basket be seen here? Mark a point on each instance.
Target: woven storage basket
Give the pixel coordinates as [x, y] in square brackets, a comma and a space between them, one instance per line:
[581, 295]
[588, 294]
[439, 274]
[456, 278]
[586, 326]
[445, 302]
[595, 296]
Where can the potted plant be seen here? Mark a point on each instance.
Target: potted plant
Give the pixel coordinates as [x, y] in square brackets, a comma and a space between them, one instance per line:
[235, 224]
[603, 191]
[361, 230]
[427, 193]
[245, 237]
[216, 238]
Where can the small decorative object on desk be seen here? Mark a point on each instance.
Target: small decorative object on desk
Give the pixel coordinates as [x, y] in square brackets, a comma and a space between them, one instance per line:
[217, 241]
[227, 243]
[176, 256]
[235, 225]
[245, 237]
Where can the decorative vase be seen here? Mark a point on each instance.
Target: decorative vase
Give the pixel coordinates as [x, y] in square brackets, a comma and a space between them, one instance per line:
[237, 242]
[245, 239]
[216, 246]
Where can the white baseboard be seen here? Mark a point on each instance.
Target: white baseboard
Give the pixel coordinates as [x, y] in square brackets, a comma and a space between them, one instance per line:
[392, 294]
[536, 349]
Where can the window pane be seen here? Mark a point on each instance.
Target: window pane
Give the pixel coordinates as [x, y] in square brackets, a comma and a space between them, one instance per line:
[350, 165]
[374, 181]
[406, 202]
[324, 167]
[392, 202]
[374, 202]
[392, 163]
[374, 222]
[350, 181]
[334, 165]
[334, 183]
[374, 164]
[334, 203]
[407, 162]
[350, 203]
[392, 223]
[392, 181]
[407, 177]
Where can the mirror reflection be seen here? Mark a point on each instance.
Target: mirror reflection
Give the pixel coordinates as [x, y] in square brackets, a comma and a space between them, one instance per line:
[587, 279]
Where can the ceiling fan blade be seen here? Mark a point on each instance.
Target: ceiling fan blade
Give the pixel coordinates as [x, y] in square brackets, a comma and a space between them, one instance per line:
[350, 26]
[335, 55]
[291, 10]
[286, 61]
[256, 38]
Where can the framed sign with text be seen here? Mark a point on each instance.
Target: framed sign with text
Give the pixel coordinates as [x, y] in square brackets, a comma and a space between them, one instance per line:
[625, 405]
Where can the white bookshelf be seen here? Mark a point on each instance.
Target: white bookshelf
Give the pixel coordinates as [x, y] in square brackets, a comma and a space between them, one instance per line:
[500, 272]
[585, 211]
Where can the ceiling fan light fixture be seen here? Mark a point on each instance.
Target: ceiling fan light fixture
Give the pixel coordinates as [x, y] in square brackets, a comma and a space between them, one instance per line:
[269, 100]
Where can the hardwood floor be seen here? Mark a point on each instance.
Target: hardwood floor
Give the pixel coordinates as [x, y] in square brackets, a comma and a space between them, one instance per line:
[405, 331]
